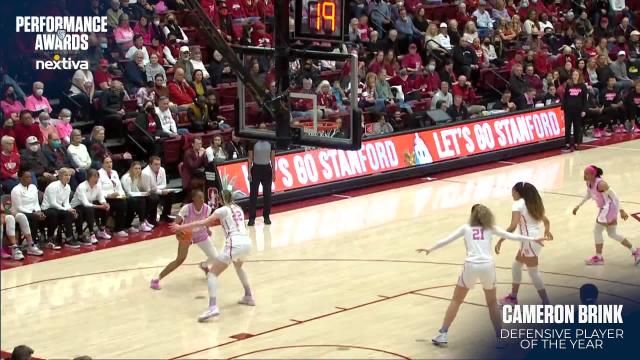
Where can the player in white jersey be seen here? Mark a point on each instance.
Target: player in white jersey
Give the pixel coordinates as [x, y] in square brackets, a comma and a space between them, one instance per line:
[527, 213]
[478, 265]
[237, 247]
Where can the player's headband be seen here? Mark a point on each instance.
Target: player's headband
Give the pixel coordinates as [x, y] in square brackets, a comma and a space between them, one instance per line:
[591, 169]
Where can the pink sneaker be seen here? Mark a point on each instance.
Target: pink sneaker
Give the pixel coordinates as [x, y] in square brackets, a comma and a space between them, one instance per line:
[508, 300]
[619, 129]
[149, 225]
[636, 256]
[597, 133]
[155, 284]
[93, 239]
[606, 132]
[635, 129]
[103, 234]
[204, 267]
[595, 260]
[145, 228]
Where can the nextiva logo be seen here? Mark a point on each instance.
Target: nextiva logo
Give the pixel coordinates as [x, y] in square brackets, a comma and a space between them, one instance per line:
[55, 34]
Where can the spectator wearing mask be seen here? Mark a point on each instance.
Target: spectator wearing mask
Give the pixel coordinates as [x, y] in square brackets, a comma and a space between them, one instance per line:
[505, 102]
[34, 160]
[44, 121]
[442, 95]
[10, 103]
[63, 126]
[27, 128]
[9, 164]
[58, 210]
[458, 111]
[180, 92]
[36, 102]
[429, 81]
[91, 205]
[159, 194]
[172, 28]
[551, 97]
[112, 108]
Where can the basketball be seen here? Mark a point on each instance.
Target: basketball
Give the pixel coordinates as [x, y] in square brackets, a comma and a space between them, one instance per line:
[184, 235]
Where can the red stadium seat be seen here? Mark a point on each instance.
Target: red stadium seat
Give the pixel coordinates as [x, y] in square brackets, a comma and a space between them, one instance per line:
[173, 150]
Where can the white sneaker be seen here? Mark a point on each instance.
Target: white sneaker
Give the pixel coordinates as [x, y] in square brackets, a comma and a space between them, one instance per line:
[149, 224]
[121, 233]
[145, 228]
[133, 230]
[441, 339]
[247, 300]
[93, 239]
[16, 254]
[103, 234]
[34, 250]
[211, 312]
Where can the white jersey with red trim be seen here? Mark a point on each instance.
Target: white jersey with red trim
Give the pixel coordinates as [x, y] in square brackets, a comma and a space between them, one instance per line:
[529, 227]
[232, 220]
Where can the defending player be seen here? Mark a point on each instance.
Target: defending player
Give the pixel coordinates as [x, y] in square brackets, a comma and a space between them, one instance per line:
[527, 214]
[237, 248]
[197, 210]
[478, 265]
[609, 207]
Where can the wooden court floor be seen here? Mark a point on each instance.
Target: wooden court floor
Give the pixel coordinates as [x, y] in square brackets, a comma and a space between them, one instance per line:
[338, 280]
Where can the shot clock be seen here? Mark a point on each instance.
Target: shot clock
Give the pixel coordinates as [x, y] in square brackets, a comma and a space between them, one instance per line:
[319, 19]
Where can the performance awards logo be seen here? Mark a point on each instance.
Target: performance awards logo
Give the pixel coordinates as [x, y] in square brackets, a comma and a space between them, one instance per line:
[61, 34]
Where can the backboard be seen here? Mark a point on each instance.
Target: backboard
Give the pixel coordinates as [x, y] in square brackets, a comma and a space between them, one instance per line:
[321, 114]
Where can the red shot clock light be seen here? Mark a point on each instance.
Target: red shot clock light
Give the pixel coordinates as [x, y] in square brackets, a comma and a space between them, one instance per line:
[319, 19]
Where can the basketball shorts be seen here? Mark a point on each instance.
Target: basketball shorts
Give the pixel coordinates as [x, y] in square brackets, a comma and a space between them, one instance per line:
[530, 249]
[235, 249]
[472, 273]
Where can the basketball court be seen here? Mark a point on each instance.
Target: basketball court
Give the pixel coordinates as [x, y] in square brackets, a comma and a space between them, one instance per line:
[336, 280]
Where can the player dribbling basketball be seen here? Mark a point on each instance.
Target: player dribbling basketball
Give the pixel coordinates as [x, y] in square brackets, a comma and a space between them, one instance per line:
[478, 235]
[237, 248]
[195, 211]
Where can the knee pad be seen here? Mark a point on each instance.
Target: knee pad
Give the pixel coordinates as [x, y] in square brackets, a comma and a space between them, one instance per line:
[23, 222]
[597, 234]
[611, 231]
[536, 279]
[10, 223]
[516, 272]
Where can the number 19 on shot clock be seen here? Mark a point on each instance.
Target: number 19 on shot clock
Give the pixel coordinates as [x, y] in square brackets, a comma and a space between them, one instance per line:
[319, 19]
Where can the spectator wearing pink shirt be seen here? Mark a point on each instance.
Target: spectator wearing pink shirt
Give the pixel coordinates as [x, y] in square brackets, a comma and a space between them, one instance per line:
[123, 33]
[143, 28]
[10, 103]
[36, 102]
[63, 126]
[45, 124]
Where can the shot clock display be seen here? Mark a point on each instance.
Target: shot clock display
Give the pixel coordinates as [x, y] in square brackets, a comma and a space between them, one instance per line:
[319, 19]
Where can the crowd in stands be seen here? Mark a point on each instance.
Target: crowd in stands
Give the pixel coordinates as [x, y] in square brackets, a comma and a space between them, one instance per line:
[154, 81]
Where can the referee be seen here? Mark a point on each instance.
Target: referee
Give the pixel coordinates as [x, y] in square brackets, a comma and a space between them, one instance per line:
[262, 170]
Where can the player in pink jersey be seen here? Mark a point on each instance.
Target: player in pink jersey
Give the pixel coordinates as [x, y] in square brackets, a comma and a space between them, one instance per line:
[478, 265]
[237, 248]
[608, 209]
[197, 210]
[528, 214]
